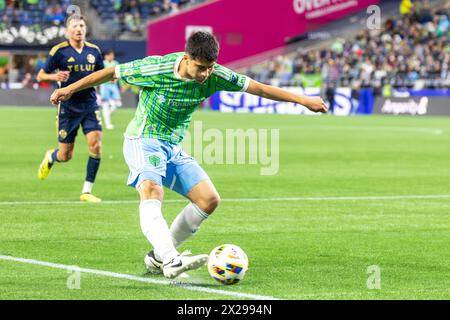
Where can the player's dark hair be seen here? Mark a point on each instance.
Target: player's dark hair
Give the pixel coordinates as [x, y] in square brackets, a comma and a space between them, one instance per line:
[74, 16]
[202, 46]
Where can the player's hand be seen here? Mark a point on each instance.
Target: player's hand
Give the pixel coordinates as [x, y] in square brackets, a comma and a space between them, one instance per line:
[315, 104]
[62, 76]
[60, 95]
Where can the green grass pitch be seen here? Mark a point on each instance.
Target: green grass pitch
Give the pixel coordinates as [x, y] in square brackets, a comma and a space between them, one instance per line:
[352, 184]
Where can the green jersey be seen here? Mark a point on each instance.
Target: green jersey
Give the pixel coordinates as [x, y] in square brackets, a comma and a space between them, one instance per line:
[167, 101]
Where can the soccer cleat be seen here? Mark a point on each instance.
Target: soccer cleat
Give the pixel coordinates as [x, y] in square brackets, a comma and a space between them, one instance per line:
[152, 264]
[45, 167]
[182, 263]
[88, 197]
[109, 127]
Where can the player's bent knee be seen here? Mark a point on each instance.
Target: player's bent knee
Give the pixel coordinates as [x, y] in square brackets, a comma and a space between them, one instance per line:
[210, 203]
[95, 150]
[214, 201]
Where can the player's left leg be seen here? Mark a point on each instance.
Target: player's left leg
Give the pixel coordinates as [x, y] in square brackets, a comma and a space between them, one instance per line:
[204, 200]
[92, 129]
[187, 178]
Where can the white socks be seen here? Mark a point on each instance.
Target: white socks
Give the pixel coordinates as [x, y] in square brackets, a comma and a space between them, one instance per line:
[155, 229]
[49, 158]
[106, 114]
[115, 104]
[87, 187]
[186, 223]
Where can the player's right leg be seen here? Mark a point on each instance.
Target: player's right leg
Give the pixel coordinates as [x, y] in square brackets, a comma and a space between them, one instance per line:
[147, 161]
[187, 178]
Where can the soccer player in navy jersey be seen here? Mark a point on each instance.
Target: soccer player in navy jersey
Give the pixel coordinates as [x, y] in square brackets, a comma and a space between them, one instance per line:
[67, 63]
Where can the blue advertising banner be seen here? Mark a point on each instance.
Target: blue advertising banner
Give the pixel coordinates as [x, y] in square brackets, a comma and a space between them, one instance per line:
[399, 93]
[344, 102]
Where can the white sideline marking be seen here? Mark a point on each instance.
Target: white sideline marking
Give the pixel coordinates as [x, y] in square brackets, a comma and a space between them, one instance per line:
[186, 286]
[208, 290]
[352, 198]
[436, 131]
[371, 292]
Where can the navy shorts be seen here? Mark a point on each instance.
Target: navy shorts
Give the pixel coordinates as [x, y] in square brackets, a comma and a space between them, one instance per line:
[68, 123]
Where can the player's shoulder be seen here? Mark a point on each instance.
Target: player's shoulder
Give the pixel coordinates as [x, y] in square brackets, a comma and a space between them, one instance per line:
[159, 60]
[168, 58]
[58, 47]
[93, 46]
[174, 56]
[222, 72]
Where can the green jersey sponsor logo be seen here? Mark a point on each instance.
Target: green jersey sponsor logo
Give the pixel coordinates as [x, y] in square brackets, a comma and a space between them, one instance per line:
[154, 160]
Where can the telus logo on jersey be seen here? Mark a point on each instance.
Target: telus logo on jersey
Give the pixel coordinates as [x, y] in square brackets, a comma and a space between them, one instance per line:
[81, 67]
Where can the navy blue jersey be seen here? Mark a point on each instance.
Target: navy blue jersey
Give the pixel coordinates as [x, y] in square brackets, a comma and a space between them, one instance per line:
[64, 57]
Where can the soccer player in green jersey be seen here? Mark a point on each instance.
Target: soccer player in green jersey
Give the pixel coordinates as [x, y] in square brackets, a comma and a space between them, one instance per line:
[172, 88]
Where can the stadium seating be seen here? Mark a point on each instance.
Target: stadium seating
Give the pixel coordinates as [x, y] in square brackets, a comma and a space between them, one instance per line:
[412, 50]
[130, 15]
[34, 13]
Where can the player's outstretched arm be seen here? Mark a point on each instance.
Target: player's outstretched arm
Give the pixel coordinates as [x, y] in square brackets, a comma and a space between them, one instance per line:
[315, 104]
[91, 80]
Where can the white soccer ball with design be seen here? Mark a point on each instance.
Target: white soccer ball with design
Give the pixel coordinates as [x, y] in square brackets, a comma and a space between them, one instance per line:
[227, 264]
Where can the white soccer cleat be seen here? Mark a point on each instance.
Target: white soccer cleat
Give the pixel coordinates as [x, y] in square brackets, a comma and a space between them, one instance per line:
[152, 264]
[183, 263]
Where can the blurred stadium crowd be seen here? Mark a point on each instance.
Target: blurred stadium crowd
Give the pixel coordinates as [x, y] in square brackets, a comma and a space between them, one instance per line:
[126, 15]
[411, 50]
[130, 15]
[121, 16]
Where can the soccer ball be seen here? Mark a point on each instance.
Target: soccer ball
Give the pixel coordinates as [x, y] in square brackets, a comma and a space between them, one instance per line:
[227, 264]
